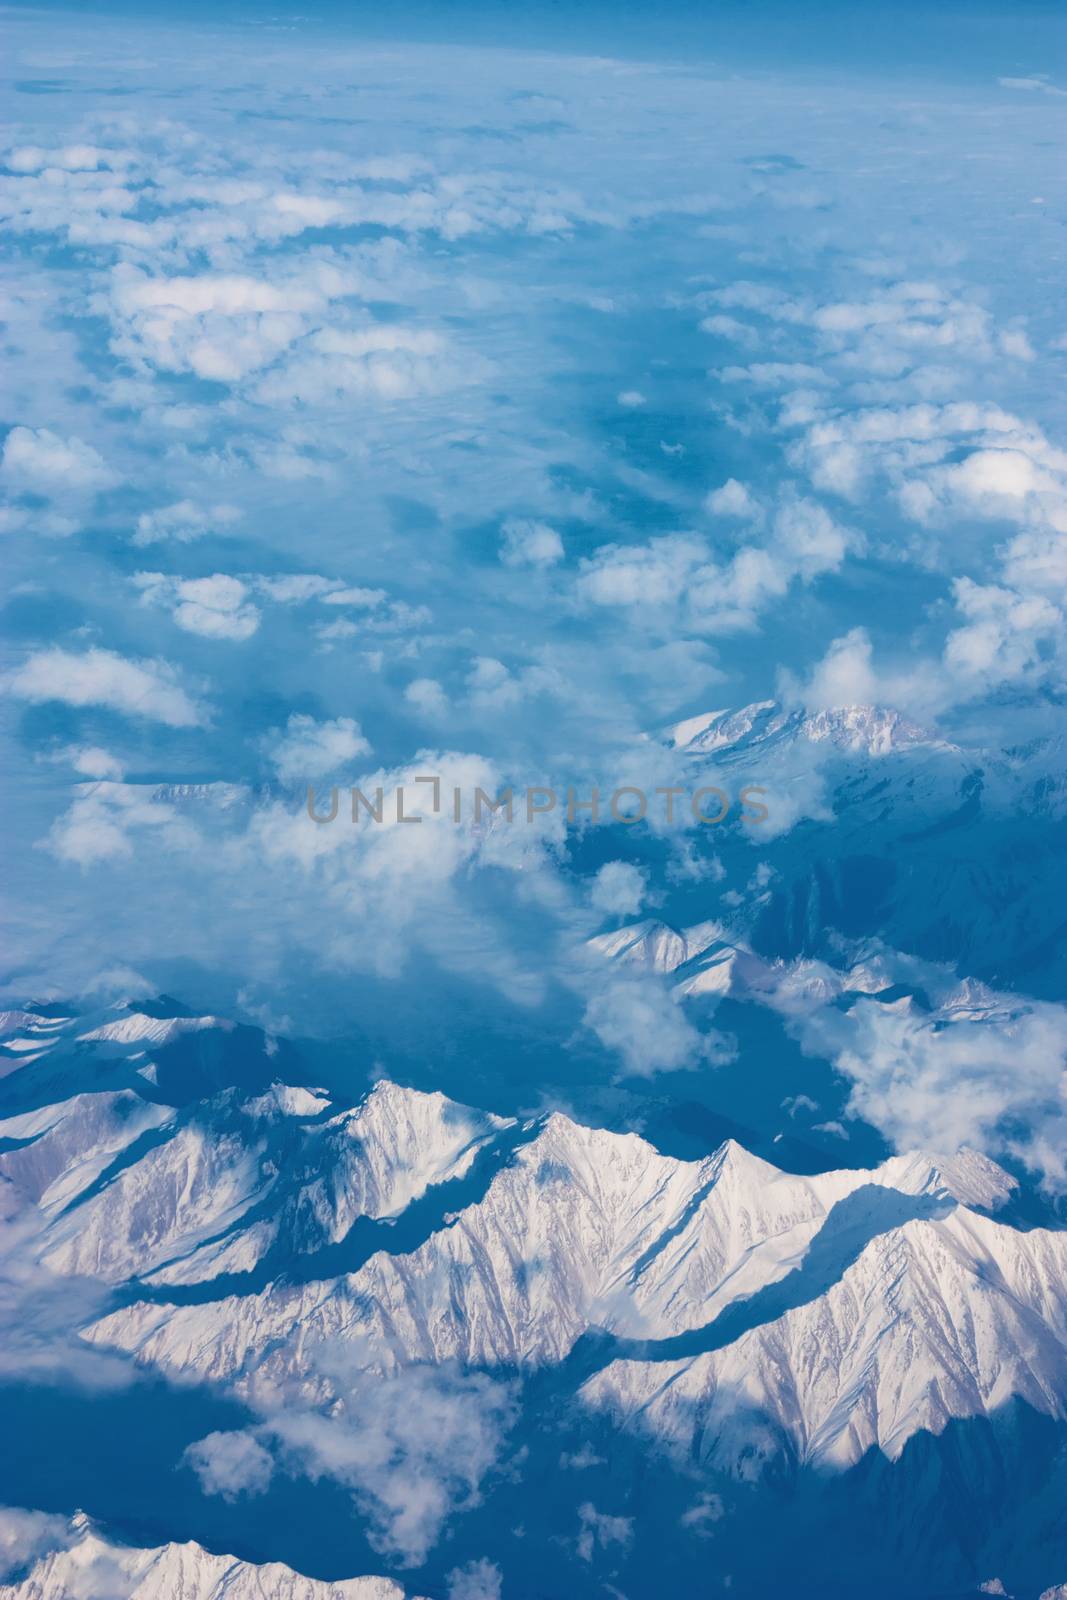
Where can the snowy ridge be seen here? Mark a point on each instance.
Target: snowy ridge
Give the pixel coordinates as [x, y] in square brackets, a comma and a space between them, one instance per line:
[871, 730]
[68, 1146]
[26, 1035]
[879, 1303]
[654, 944]
[215, 1190]
[938, 1318]
[89, 1567]
[136, 1028]
[711, 959]
[741, 1311]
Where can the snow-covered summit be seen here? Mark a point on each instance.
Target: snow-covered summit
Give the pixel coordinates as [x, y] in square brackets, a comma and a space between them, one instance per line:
[587, 1231]
[872, 730]
[820, 1314]
[938, 1318]
[78, 1562]
[657, 945]
[220, 1184]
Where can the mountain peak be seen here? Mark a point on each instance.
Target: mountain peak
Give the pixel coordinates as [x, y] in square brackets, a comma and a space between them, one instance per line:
[874, 730]
[82, 1562]
[968, 1176]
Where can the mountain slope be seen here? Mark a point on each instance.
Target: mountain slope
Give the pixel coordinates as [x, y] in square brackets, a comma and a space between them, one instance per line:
[737, 1267]
[89, 1567]
[942, 1317]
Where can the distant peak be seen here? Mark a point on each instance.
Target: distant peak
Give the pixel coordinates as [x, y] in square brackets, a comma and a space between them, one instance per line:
[968, 1176]
[876, 729]
[869, 728]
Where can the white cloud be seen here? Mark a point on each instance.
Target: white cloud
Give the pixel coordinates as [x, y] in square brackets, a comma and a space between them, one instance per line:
[879, 333]
[295, 587]
[638, 1018]
[1035, 561]
[530, 544]
[39, 460]
[777, 374]
[26, 1535]
[1003, 638]
[1037, 83]
[219, 326]
[383, 363]
[491, 686]
[183, 522]
[362, 599]
[230, 1464]
[329, 632]
[997, 1083]
[844, 676]
[679, 572]
[405, 877]
[104, 818]
[941, 461]
[103, 678]
[654, 574]
[599, 1531]
[217, 607]
[93, 762]
[702, 1517]
[68, 158]
[618, 889]
[414, 1446]
[427, 697]
[732, 499]
[1014, 342]
[310, 749]
[631, 399]
[478, 1580]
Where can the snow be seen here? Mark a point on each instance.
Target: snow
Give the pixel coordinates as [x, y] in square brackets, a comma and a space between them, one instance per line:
[864, 1305]
[180, 1214]
[92, 1568]
[136, 1027]
[748, 1311]
[872, 730]
[937, 1318]
[654, 944]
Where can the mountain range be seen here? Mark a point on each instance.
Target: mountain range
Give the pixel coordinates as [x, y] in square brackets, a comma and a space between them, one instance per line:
[742, 1325]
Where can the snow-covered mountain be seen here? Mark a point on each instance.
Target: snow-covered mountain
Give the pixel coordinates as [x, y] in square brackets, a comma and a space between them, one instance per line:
[85, 1566]
[879, 828]
[272, 1244]
[872, 730]
[713, 958]
[580, 1230]
[881, 1302]
[128, 1186]
[940, 1317]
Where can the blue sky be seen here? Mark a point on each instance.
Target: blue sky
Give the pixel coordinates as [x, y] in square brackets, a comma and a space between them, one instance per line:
[377, 405]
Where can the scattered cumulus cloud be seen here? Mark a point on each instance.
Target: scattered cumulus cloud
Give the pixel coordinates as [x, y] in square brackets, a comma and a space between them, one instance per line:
[309, 749]
[65, 471]
[27, 1535]
[218, 607]
[599, 1531]
[477, 1580]
[618, 889]
[230, 1465]
[183, 522]
[103, 678]
[528, 543]
[637, 1018]
[414, 1446]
